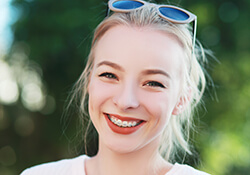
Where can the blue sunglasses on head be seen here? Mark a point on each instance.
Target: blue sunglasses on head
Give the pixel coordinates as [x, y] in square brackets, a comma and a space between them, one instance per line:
[168, 12]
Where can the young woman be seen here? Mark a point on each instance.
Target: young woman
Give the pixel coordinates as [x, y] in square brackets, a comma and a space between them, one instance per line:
[140, 86]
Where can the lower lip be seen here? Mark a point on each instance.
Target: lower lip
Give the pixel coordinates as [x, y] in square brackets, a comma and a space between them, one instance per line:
[120, 130]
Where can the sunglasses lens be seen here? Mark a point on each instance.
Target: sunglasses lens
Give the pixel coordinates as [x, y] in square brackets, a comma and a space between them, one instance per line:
[127, 5]
[173, 13]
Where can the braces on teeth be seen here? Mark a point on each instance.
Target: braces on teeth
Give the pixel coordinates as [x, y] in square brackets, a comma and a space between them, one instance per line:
[124, 124]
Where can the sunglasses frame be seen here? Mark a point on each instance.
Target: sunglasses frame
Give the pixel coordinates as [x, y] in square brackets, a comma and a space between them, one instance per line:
[192, 17]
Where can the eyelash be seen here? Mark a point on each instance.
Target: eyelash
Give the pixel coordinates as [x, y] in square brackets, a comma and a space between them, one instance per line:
[108, 75]
[155, 84]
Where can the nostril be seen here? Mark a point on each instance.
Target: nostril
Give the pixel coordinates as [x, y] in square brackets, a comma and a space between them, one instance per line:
[126, 102]
[127, 96]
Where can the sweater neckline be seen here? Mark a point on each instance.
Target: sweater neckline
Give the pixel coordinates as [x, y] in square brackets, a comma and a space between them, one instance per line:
[174, 169]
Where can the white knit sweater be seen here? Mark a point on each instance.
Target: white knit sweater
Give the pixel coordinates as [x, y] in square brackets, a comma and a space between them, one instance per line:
[75, 166]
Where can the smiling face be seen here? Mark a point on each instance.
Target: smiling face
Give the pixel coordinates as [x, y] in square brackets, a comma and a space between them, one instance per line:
[134, 87]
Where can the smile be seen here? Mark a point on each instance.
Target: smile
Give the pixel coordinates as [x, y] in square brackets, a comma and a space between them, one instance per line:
[123, 125]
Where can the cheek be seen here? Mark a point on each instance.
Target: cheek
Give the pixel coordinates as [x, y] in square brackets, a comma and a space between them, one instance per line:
[99, 93]
[94, 93]
[160, 106]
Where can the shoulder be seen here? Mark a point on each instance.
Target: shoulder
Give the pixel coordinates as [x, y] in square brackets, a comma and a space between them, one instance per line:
[72, 166]
[185, 169]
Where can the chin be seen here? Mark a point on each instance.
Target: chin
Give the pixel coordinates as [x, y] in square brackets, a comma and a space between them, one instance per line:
[121, 145]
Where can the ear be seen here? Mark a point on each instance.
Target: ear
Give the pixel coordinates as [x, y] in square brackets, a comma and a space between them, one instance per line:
[179, 107]
[182, 103]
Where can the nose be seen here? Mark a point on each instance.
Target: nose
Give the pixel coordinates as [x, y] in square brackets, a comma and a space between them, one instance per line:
[126, 97]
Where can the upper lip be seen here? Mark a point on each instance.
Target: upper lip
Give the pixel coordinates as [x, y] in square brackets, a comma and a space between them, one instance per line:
[124, 118]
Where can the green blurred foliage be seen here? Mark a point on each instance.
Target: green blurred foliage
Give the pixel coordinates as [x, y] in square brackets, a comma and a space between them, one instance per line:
[52, 38]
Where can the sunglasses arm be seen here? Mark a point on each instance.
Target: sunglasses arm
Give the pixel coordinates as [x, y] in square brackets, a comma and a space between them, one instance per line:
[194, 34]
[107, 11]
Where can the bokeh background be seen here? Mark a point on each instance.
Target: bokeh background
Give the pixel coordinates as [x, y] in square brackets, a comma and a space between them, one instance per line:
[43, 48]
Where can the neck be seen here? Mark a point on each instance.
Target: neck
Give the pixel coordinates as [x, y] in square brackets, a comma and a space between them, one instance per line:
[145, 161]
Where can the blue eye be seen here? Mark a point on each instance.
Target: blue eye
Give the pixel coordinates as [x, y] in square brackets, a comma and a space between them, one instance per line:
[108, 75]
[155, 84]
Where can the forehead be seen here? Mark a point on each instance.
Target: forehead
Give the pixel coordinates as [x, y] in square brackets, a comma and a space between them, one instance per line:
[139, 45]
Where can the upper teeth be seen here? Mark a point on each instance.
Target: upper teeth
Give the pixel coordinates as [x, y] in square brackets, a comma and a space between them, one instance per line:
[120, 123]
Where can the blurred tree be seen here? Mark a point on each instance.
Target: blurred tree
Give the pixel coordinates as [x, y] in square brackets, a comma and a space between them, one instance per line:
[51, 42]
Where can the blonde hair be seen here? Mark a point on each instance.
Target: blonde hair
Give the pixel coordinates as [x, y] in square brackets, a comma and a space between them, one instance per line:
[176, 134]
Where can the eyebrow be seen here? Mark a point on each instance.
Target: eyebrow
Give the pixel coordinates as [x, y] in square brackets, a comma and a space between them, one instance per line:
[145, 72]
[111, 64]
[156, 71]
